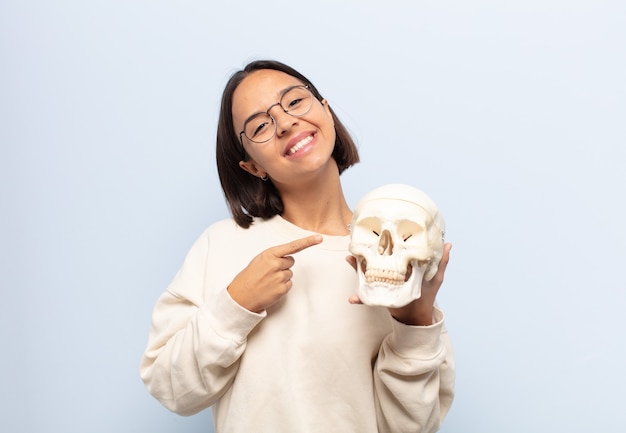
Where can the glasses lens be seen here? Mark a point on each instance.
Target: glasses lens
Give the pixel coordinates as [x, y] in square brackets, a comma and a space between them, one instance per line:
[297, 101]
[259, 128]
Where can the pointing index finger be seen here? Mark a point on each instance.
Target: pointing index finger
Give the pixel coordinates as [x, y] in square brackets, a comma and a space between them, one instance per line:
[297, 245]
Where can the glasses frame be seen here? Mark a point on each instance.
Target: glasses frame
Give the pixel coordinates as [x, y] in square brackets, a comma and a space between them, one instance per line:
[243, 133]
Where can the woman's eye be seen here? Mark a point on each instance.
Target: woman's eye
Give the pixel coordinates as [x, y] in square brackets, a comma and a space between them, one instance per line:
[259, 129]
[295, 103]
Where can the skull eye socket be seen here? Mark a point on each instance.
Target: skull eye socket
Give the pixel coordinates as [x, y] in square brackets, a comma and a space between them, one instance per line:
[368, 228]
[404, 238]
[411, 231]
[372, 227]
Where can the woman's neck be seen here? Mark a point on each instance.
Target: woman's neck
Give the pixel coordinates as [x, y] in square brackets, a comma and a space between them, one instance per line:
[318, 206]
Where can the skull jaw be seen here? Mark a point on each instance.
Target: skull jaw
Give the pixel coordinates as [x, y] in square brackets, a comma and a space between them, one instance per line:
[391, 295]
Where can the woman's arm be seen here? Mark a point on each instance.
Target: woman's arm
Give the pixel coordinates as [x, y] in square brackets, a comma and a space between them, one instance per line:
[196, 339]
[414, 378]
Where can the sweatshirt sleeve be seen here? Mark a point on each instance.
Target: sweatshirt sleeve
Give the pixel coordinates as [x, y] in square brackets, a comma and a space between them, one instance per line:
[414, 378]
[196, 339]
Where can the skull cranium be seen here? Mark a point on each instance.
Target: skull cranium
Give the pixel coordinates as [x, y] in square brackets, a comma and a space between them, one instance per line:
[397, 239]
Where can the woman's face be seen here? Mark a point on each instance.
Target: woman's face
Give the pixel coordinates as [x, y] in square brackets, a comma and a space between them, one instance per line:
[302, 145]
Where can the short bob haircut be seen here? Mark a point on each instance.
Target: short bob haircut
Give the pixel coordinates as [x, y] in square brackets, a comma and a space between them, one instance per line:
[247, 195]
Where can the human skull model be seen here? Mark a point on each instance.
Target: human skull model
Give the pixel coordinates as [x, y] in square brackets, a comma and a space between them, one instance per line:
[397, 239]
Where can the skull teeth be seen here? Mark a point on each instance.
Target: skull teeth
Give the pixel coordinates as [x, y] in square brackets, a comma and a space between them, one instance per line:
[385, 276]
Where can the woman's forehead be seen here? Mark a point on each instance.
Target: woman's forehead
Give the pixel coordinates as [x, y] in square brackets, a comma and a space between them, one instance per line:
[265, 83]
[259, 90]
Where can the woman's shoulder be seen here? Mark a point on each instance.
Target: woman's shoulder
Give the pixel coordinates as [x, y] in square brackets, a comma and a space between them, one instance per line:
[226, 235]
[230, 224]
[224, 224]
[228, 227]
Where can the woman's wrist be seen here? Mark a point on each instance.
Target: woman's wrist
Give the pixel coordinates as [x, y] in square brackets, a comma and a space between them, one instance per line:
[412, 316]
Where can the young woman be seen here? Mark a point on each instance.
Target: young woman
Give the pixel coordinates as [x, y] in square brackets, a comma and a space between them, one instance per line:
[261, 321]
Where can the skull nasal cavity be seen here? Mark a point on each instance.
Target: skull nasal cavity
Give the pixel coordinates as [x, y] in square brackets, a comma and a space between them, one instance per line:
[385, 245]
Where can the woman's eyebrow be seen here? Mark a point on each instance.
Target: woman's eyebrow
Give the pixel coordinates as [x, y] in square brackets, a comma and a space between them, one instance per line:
[281, 93]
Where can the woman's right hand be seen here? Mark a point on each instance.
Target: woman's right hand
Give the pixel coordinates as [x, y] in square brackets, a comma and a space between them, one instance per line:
[267, 278]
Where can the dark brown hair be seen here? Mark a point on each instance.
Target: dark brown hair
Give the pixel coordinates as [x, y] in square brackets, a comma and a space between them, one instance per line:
[247, 195]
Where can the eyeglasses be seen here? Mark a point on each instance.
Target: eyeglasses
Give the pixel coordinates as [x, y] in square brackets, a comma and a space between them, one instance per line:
[261, 127]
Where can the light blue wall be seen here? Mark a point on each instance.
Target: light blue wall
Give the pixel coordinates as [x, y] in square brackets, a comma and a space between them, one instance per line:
[510, 114]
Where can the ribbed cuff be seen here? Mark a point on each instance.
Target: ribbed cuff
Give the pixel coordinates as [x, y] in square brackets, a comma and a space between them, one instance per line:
[417, 341]
[229, 319]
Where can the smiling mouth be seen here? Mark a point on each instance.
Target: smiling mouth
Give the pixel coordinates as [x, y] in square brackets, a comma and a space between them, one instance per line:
[300, 144]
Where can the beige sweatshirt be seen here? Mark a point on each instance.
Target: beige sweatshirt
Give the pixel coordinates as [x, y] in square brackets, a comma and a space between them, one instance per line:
[312, 363]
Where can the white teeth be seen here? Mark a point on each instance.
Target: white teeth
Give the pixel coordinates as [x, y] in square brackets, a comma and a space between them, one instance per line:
[300, 144]
[384, 276]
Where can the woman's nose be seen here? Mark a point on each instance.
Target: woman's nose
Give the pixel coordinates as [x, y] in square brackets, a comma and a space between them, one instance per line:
[284, 121]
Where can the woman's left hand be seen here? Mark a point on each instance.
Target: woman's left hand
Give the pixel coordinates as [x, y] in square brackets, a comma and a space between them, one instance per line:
[420, 311]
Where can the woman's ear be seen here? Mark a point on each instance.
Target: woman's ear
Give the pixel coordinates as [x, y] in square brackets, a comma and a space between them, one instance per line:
[251, 167]
[327, 109]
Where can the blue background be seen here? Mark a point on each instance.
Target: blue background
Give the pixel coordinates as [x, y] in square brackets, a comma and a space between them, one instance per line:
[510, 115]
